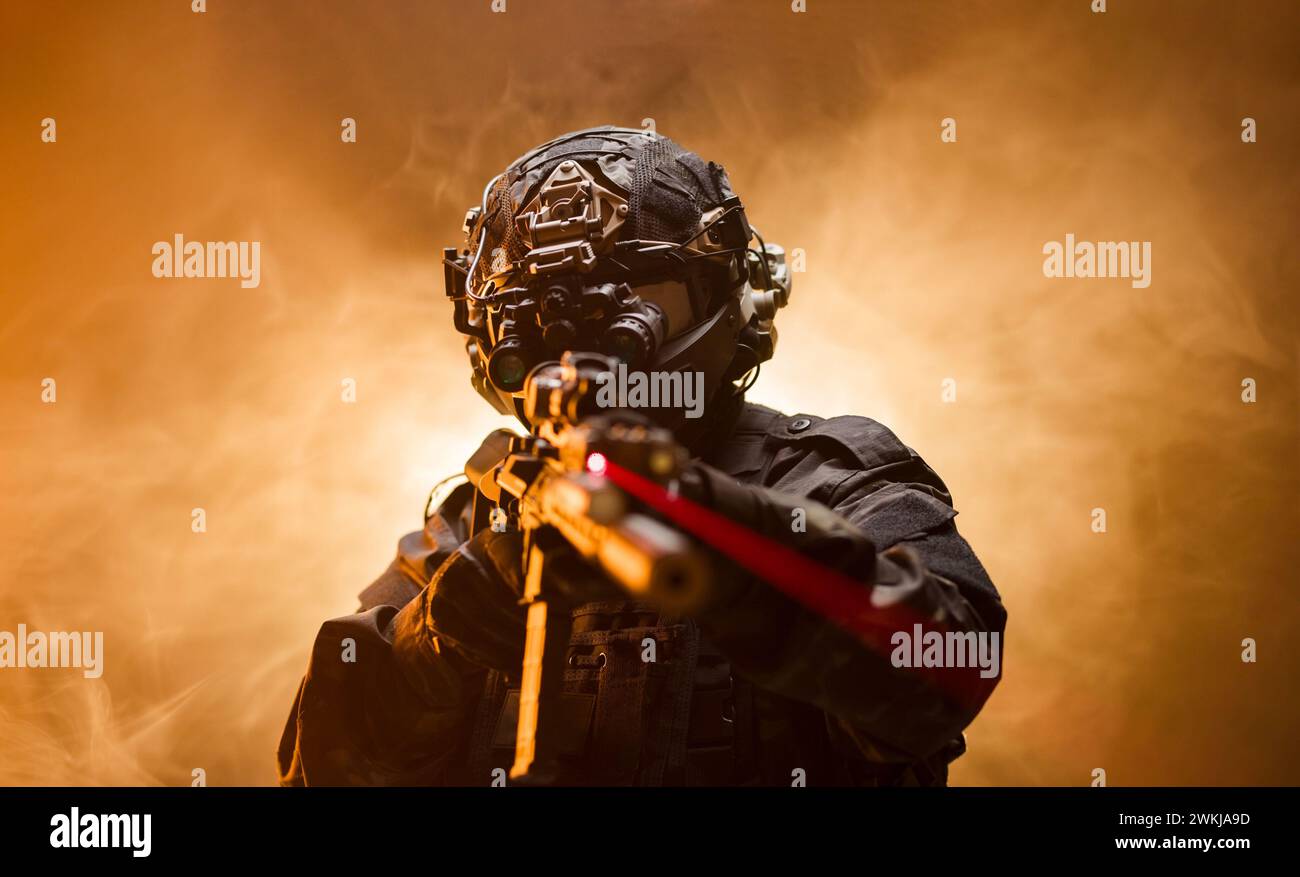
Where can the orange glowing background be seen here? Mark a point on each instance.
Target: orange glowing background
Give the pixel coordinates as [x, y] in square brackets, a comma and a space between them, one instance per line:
[923, 263]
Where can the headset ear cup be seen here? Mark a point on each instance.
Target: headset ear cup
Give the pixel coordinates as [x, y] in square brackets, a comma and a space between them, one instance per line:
[745, 360]
[760, 337]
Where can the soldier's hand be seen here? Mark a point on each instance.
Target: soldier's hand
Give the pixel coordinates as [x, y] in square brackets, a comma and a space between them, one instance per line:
[473, 600]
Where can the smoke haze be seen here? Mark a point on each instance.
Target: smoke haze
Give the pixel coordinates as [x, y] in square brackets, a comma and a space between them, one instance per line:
[1123, 648]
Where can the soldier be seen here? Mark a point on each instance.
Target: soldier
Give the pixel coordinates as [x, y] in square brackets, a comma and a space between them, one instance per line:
[619, 241]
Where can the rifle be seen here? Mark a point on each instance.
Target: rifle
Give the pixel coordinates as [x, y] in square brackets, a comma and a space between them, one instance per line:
[551, 485]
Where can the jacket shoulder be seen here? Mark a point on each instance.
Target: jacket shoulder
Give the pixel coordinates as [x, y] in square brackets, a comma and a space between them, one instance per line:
[860, 441]
[762, 435]
[837, 457]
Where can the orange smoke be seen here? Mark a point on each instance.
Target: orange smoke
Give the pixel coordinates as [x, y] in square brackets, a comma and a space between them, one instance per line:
[923, 263]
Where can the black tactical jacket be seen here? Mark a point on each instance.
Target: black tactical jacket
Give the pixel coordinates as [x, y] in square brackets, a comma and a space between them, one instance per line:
[765, 692]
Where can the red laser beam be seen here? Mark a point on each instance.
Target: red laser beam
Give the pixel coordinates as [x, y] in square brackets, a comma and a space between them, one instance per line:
[832, 595]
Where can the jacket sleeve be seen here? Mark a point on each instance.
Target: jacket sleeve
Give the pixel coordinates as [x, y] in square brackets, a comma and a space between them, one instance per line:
[384, 701]
[875, 511]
